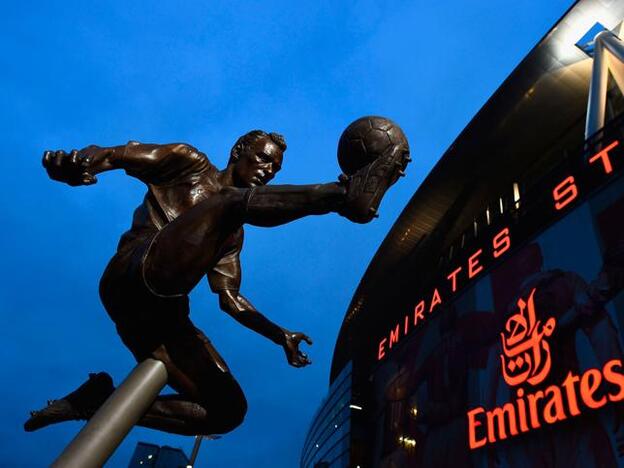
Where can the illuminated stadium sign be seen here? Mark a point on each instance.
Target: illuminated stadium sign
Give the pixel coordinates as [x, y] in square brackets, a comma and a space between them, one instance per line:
[565, 191]
[526, 359]
[526, 354]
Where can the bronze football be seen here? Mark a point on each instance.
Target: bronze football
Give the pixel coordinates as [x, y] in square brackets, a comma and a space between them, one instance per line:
[365, 139]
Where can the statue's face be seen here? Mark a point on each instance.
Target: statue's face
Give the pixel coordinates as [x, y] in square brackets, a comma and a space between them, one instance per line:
[258, 163]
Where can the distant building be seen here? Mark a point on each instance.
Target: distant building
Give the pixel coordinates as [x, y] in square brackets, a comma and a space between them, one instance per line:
[151, 455]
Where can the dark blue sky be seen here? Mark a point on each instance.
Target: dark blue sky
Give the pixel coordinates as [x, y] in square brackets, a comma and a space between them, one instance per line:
[76, 73]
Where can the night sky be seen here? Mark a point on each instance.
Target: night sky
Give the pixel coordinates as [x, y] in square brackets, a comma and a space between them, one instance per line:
[77, 73]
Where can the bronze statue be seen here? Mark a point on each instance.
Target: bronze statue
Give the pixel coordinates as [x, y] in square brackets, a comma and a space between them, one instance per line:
[190, 224]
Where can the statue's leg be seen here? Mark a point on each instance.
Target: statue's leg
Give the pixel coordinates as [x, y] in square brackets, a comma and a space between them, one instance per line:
[270, 206]
[220, 410]
[186, 248]
[151, 326]
[210, 400]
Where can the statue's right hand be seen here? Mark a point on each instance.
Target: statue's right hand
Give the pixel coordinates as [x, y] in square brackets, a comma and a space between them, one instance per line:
[296, 357]
[71, 168]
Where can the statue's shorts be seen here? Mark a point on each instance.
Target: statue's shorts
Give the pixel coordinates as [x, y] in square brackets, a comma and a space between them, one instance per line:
[152, 325]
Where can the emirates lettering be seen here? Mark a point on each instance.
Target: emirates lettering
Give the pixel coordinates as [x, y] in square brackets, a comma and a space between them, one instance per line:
[549, 406]
[563, 195]
[500, 244]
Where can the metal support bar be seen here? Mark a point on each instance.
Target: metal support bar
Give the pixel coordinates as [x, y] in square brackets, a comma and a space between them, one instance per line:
[617, 72]
[616, 48]
[597, 101]
[195, 452]
[607, 47]
[99, 438]
[613, 44]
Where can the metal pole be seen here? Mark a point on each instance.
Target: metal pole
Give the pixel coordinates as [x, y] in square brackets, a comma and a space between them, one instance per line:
[597, 101]
[616, 66]
[614, 44]
[198, 441]
[99, 438]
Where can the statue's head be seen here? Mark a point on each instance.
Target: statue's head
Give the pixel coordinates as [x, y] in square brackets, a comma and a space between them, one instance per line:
[256, 157]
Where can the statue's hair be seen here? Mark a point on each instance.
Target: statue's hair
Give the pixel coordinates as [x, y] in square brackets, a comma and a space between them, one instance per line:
[250, 138]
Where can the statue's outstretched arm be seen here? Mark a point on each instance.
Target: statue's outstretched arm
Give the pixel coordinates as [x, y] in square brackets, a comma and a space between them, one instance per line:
[237, 306]
[147, 162]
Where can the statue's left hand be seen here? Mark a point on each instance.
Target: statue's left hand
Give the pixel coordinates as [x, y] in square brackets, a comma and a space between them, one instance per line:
[72, 168]
[296, 358]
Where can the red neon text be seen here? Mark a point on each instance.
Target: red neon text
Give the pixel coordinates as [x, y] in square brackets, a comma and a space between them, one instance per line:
[565, 193]
[604, 157]
[500, 244]
[555, 403]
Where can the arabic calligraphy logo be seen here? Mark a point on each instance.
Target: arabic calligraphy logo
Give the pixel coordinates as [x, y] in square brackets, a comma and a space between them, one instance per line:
[526, 354]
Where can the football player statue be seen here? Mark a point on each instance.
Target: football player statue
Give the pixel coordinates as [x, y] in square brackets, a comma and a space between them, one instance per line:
[190, 224]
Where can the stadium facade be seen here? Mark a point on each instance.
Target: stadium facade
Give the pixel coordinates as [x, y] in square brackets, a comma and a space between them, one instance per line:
[488, 329]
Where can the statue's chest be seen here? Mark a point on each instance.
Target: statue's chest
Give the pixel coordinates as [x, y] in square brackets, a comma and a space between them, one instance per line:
[177, 199]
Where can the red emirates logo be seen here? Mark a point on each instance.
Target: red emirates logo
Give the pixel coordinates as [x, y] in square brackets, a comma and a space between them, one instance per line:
[526, 354]
[526, 359]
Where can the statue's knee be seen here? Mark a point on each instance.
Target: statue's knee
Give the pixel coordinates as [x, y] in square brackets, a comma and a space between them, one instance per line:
[235, 416]
[223, 414]
[242, 412]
